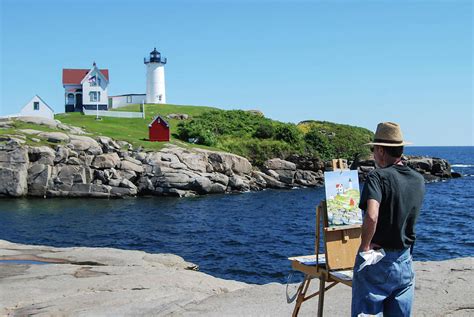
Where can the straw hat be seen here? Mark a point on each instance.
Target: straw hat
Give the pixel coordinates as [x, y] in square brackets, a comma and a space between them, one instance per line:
[388, 134]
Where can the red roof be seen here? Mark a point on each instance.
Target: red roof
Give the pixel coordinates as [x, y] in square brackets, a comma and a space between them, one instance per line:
[75, 76]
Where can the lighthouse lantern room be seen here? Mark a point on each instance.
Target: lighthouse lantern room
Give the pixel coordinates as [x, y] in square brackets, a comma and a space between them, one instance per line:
[155, 78]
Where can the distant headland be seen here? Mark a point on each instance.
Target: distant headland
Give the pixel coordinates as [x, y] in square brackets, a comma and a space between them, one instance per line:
[209, 151]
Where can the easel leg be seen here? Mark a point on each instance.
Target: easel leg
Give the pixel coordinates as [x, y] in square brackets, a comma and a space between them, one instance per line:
[322, 285]
[301, 294]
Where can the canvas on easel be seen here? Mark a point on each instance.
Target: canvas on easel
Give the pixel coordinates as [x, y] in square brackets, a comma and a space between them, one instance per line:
[342, 218]
[342, 198]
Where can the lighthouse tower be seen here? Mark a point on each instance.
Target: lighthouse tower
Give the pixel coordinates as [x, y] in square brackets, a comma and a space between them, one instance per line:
[155, 78]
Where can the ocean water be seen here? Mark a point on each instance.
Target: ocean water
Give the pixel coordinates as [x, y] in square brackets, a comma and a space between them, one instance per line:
[245, 237]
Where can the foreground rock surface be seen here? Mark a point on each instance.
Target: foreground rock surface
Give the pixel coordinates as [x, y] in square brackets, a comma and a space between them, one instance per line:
[112, 282]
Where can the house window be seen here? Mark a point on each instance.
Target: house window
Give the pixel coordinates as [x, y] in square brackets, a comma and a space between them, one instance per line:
[70, 99]
[129, 99]
[94, 96]
[94, 80]
[36, 105]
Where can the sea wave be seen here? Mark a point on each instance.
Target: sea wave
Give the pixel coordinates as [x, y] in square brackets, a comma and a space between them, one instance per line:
[462, 165]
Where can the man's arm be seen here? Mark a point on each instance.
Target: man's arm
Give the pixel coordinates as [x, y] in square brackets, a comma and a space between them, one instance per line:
[369, 225]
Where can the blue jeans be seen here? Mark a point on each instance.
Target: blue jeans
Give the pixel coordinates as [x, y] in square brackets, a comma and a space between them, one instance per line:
[385, 287]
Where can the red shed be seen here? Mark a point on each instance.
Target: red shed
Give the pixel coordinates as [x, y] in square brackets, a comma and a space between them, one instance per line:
[159, 130]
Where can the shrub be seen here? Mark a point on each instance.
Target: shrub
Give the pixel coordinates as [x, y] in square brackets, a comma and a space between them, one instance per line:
[265, 130]
[319, 144]
[288, 132]
[202, 134]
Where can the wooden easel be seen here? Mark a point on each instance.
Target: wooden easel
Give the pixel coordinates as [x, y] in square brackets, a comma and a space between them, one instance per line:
[341, 245]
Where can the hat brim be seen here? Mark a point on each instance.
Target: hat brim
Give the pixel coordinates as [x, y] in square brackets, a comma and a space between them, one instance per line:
[388, 144]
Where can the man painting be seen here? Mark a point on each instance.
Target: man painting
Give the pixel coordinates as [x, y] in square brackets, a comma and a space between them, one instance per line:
[391, 200]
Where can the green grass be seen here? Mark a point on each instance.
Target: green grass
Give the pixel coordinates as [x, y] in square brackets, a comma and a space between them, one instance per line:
[134, 131]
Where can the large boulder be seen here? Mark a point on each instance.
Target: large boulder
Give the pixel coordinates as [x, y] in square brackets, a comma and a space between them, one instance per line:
[13, 180]
[284, 169]
[85, 143]
[286, 176]
[441, 168]
[14, 172]
[424, 164]
[270, 181]
[196, 161]
[129, 166]
[258, 181]
[279, 164]
[55, 137]
[42, 155]
[128, 184]
[145, 185]
[140, 156]
[240, 165]
[39, 176]
[174, 192]
[228, 163]
[202, 185]
[30, 131]
[238, 183]
[39, 120]
[72, 174]
[107, 160]
[182, 180]
[108, 144]
[217, 178]
[309, 178]
[17, 155]
[306, 163]
[62, 154]
[178, 116]
[122, 191]
[127, 174]
[220, 163]
[156, 158]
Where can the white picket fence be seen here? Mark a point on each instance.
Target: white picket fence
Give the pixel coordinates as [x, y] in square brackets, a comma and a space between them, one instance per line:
[115, 114]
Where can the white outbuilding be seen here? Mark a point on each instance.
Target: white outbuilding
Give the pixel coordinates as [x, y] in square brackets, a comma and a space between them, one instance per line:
[36, 107]
[120, 101]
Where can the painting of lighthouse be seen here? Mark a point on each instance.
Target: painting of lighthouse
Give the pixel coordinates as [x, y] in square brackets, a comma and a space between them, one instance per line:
[155, 78]
[342, 198]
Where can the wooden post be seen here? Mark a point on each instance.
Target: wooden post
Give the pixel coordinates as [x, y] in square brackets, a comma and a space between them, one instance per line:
[318, 230]
[322, 285]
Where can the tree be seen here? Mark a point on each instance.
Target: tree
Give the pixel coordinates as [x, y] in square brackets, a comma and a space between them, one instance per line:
[288, 132]
[319, 143]
[265, 130]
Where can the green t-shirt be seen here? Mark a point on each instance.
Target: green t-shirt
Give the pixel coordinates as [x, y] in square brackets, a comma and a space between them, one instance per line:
[399, 190]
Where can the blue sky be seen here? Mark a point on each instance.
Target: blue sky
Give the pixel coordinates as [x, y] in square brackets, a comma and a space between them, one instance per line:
[352, 62]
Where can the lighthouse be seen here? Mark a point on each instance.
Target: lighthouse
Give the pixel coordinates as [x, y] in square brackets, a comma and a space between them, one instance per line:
[155, 78]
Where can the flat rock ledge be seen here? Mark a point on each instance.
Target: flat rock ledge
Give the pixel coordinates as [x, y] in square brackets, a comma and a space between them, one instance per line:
[112, 282]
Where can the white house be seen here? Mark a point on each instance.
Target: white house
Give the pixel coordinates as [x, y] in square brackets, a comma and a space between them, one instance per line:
[36, 107]
[125, 100]
[85, 88]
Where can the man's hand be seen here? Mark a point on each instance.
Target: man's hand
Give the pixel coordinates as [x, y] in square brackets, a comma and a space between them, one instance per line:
[372, 246]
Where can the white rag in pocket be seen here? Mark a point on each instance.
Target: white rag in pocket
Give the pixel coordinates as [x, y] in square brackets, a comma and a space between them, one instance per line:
[371, 257]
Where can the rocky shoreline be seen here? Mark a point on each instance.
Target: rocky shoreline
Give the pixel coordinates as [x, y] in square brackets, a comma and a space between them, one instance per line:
[82, 166]
[110, 282]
